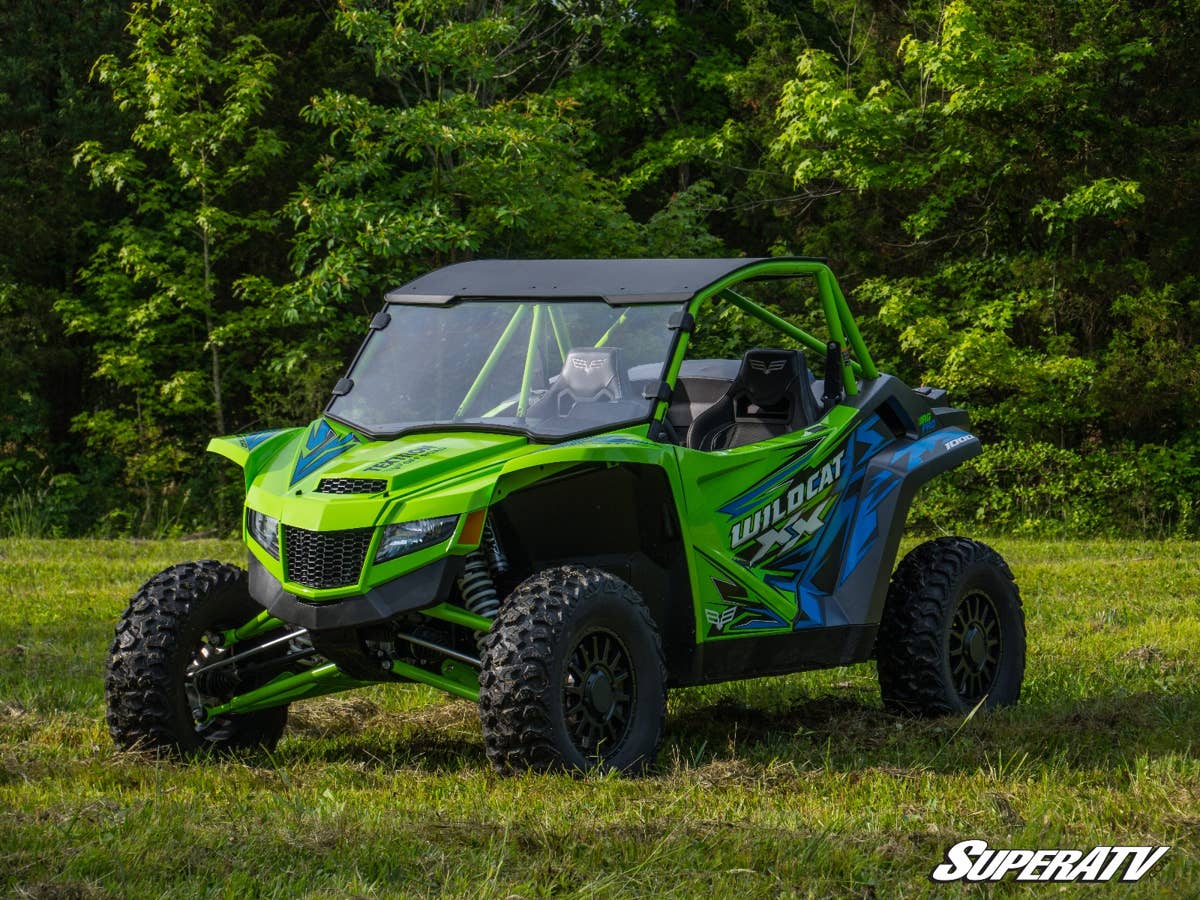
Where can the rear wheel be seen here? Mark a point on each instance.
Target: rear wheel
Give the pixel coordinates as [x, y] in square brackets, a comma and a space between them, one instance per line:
[573, 676]
[160, 665]
[953, 631]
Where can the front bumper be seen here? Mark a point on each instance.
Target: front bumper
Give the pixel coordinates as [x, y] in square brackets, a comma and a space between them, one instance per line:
[426, 586]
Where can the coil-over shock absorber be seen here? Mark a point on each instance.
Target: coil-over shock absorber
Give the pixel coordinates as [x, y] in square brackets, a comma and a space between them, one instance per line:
[476, 582]
[497, 560]
[478, 589]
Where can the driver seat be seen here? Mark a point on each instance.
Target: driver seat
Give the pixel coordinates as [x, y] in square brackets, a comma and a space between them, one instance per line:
[589, 375]
[771, 395]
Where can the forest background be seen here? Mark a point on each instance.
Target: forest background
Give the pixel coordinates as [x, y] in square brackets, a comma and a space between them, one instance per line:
[202, 202]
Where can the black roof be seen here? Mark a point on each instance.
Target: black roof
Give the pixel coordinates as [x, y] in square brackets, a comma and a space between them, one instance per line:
[617, 281]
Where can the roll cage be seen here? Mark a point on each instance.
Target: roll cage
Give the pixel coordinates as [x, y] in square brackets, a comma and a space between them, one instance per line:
[538, 288]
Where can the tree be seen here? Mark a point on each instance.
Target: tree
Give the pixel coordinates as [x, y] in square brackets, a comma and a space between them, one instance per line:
[162, 311]
[996, 170]
[1016, 184]
[47, 106]
[452, 156]
[1009, 190]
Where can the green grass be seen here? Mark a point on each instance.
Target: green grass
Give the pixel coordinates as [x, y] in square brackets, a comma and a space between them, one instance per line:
[797, 785]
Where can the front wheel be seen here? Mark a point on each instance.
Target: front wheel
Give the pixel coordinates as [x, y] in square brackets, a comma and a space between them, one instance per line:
[161, 670]
[573, 676]
[952, 634]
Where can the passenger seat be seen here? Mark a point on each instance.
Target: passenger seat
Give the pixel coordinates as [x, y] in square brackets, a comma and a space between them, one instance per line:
[771, 395]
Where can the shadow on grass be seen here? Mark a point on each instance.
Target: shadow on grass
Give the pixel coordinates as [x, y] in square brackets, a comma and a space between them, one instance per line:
[433, 753]
[853, 732]
[440, 737]
[837, 732]
[834, 732]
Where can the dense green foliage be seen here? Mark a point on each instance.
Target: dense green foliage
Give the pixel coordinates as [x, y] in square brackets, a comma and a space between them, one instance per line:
[800, 786]
[197, 223]
[153, 291]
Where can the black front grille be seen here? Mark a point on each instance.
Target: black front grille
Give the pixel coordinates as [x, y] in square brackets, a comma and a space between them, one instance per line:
[351, 486]
[325, 559]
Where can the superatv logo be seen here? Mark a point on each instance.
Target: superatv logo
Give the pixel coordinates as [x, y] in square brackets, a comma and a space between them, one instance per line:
[783, 522]
[975, 861]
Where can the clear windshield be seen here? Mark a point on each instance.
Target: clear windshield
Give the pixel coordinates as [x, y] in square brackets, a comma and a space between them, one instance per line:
[550, 369]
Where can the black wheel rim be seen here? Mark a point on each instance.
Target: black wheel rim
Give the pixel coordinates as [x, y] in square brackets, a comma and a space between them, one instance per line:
[599, 693]
[976, 644]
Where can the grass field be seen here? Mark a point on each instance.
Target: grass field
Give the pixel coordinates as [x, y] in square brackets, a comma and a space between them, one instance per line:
[798, 785]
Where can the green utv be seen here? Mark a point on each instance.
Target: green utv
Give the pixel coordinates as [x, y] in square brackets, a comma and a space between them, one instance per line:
[527, 493]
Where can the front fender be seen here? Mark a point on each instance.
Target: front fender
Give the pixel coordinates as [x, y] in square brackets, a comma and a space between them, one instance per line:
[610, 449]
[253, 451]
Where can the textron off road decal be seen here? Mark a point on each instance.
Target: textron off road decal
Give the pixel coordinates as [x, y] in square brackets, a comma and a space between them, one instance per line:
[403, 458]
[321, 445]
[767, 367]
[586, 364]
[718, 619]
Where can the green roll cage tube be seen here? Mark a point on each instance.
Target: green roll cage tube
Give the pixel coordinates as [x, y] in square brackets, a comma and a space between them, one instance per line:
[841, 324]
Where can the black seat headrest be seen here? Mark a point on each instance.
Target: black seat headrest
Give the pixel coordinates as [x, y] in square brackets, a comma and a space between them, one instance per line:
[592, 373]
[767, 375]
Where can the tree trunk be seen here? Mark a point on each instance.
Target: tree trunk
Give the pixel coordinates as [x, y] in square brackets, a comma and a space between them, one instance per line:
[218, 404]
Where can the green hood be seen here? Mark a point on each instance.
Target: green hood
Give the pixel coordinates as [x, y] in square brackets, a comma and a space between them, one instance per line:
[326, 477]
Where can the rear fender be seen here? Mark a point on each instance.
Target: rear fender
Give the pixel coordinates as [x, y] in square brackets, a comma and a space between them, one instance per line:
[892, 480]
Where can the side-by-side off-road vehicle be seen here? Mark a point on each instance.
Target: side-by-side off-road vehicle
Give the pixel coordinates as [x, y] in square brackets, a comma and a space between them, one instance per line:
[526, 492]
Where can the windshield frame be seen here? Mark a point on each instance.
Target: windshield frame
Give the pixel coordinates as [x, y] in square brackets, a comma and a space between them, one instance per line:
[679, 310]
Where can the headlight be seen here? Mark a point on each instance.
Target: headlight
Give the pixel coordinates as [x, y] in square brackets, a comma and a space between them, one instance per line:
[407, 537]
[265, 530]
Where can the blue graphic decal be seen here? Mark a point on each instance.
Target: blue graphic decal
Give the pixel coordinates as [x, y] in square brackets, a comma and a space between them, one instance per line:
[883, 482]
[918, 451]
[321, 445]
[765, 618]
[252, 440]
[849, 526]
[741, 505]
[865, 528]
[808, 527]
